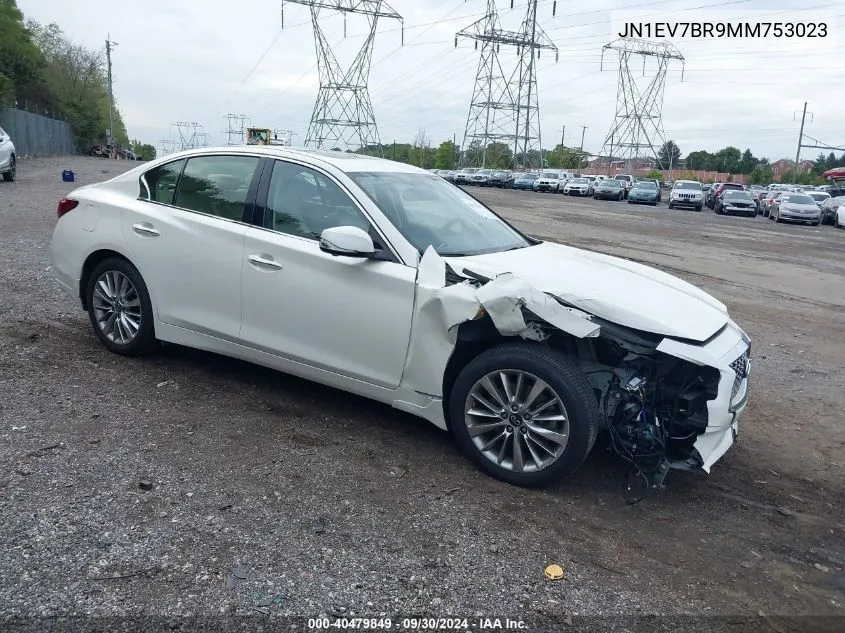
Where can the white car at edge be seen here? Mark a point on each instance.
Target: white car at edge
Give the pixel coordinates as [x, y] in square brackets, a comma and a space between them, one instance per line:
[386, 281]
[8, 159]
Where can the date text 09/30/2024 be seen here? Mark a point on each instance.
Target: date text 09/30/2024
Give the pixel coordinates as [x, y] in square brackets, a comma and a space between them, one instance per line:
[416, 624]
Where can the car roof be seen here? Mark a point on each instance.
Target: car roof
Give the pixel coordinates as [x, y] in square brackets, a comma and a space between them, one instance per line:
[344, 161]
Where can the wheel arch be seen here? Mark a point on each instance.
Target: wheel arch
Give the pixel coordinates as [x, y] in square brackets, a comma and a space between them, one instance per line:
[476, 337]
[91, 262]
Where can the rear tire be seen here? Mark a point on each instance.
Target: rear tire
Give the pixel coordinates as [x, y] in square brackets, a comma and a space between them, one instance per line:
[10, 175]
[550, 445]
[119, 308]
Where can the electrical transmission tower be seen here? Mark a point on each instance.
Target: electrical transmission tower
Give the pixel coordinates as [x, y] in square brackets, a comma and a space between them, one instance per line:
[191, 135]
[343, 114]
[168, 146]
[235, 128]
[503, 125]
[637, 130]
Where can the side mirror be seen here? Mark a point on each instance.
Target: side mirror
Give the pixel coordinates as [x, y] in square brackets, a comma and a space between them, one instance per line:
[347, 241]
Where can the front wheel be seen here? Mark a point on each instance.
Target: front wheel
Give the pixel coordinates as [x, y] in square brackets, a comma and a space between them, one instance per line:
[671, 206]
[524, 413]
[119, 308]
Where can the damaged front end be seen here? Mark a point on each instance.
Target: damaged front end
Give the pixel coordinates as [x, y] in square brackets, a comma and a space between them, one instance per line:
[665, 403]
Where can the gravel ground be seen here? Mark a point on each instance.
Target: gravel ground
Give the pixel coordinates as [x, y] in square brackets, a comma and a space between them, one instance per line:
[187, 484]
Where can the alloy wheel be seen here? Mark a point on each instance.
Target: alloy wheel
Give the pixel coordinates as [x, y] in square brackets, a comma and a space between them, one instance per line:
[117, 307]
[516, 420]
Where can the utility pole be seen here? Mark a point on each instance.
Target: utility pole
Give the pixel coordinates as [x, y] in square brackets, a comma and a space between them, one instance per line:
[110, 134]
[562, 136]
[800, 139]
[583, 130]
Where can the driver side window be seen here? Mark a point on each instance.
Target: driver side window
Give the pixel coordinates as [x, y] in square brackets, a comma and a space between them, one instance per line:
[304, 203]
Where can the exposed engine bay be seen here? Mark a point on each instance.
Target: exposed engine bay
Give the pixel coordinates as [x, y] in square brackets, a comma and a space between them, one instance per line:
[654, 405]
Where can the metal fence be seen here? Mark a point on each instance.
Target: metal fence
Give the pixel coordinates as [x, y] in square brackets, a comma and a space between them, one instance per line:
[37, 135]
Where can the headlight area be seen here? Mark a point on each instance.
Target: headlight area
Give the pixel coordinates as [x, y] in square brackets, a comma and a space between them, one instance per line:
[654, 406]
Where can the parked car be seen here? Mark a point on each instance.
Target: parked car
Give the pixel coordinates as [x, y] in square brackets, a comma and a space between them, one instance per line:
[501, 179]
[797, 207]
[830, 208]
[564, 177]
[8, 158]
[463, 176]
[722, 188]
[547, 181]
[686, 193]
[609, 189]
[525, 181]
[381, 279]
[710, 194]
[819, 197]
[448, 174]
[627, 182]
[578, 187]
[770, 199]
[644, 192]
[733, 202]
[480, 178]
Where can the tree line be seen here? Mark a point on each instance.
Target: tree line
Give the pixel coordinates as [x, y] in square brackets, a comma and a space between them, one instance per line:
[43, 71]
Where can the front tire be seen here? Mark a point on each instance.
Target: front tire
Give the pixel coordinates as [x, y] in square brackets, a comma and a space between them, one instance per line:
[524, 413]
[119, 308]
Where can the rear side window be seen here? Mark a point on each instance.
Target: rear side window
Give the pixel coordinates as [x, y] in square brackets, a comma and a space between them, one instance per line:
[216, 185]
[161, 182]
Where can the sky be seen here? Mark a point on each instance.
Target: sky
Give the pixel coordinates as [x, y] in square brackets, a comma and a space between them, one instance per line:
[198, 60]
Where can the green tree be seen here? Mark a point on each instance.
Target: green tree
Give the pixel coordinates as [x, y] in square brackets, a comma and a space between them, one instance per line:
[761, 175]
[747, 163]
[727, 160]
[21, 62]
[669, 155]
[655, 174]
[444, 158]
[144, 150]
[700, 160]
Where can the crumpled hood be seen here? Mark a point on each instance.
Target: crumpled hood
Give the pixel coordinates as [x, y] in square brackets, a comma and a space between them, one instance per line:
[616, 289]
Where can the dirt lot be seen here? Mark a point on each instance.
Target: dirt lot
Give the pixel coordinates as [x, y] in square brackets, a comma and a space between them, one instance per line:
[270, 495]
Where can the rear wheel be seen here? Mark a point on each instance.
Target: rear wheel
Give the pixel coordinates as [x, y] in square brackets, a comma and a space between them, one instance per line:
[119, 308]
[524, 413]
[10, 175]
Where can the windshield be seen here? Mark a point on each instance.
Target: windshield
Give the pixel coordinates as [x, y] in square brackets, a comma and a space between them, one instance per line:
[738, 195]
[550, 174]
[620, 177]
[645, 184]
[797, 198]
[528, 177]
[484, 172]
[688, 185]
[611, 183]
[579, 181]
[429, 211]
[469, 170]
[819, 196]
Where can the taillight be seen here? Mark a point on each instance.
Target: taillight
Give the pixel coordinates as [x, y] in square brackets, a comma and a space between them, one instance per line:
[65, 205]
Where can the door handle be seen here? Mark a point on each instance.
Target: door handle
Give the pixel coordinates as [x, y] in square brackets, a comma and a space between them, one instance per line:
[145, 229]
[265, 260]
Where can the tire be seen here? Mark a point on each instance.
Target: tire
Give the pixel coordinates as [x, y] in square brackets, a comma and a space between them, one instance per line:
[619, 198]
[111, 270]
[565, 384]
[10, 175]
[777, 218]
[671, 206]
[699, 208]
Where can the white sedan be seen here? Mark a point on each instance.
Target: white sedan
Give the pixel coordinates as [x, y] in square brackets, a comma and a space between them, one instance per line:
[384, 280]
[8, 165]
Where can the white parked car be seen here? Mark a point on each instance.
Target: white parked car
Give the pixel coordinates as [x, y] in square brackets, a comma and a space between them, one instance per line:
[578, 187]
[686, 193]
[548, 181]
[386, 281]
[8, 159]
